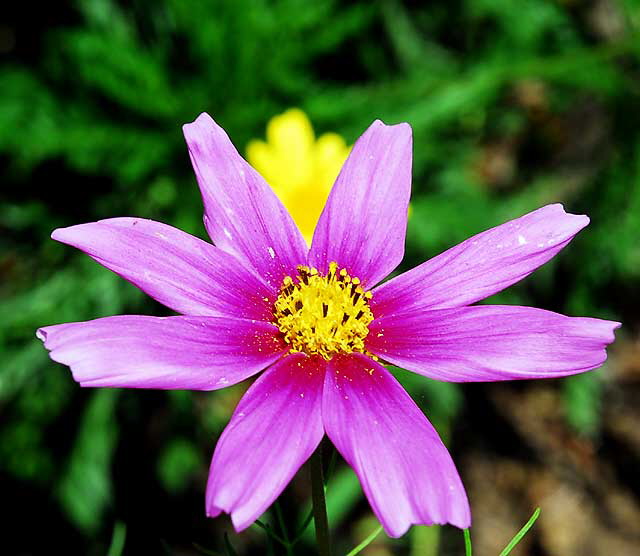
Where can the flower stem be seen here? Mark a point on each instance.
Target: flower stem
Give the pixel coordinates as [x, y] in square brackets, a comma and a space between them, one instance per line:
[283, 528]
[319, 503]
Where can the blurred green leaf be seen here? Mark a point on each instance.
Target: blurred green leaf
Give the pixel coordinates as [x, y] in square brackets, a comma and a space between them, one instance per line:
[582, 396]
[425, 540]
[177, 463]
[85, 488]
[117, 539]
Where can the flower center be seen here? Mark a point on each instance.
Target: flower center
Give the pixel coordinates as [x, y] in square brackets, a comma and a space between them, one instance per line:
[323, 315]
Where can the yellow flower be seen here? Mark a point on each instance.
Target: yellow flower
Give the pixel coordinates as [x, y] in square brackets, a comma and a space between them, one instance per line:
[299, 168]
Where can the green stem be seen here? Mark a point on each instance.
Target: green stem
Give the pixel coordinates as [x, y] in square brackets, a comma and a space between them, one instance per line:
[303, 528]
[467, 542]
[283, 528]
[117, 539]
[366, 542]
[270, 533]
[515, 540]
[319, 503]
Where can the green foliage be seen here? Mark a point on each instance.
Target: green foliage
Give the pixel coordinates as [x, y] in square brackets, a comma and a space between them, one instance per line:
[582, 394]
[85, 488]
[511, 544]
[178, 461]
[513, 105]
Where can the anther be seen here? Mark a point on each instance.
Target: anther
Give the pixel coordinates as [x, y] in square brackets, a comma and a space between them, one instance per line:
[303, 316]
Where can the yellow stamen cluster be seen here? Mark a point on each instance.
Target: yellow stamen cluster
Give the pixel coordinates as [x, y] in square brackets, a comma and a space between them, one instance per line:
[323, 315]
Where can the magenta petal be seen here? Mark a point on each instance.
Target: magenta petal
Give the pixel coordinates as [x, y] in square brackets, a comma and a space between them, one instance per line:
[491, 342]
[482, 265]
[242, 213]
[405, 470]
[275, 428]
[198, 353]
[364, 222]
[179, 270]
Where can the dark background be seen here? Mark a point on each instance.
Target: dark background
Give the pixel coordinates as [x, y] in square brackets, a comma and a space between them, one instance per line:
[514, 104]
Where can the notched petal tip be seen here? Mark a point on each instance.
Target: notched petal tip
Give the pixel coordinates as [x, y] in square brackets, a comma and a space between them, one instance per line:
[609, 329]
[41, 334]
[401, 126]
[196, 133]
[203, 120]
[460, 521]
[240, 523]
[392, 133]
[575, 222]
[462, 517]
[211, 510]
[579, 221]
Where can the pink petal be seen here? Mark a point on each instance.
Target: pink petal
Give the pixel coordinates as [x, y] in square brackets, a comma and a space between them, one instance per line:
[275, 428]
[364, 222]
[491, 342]
[198, 353]
[405, 470]
[175, 268]
[482, 265]
[242, 213]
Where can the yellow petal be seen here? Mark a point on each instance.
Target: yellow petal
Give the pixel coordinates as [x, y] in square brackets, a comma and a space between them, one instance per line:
[300, 169]
[292, 126]
[330, 153]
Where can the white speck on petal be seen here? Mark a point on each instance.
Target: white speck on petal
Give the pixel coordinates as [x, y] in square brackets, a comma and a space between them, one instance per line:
[271, 252]
[223, 380]
[301, 395]
[227, 233]
[522, 240]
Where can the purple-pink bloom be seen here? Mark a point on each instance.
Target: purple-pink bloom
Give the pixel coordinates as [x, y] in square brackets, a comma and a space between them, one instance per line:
[316, 320]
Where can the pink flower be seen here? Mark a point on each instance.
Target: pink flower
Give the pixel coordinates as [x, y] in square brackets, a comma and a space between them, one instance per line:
[315, 320]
